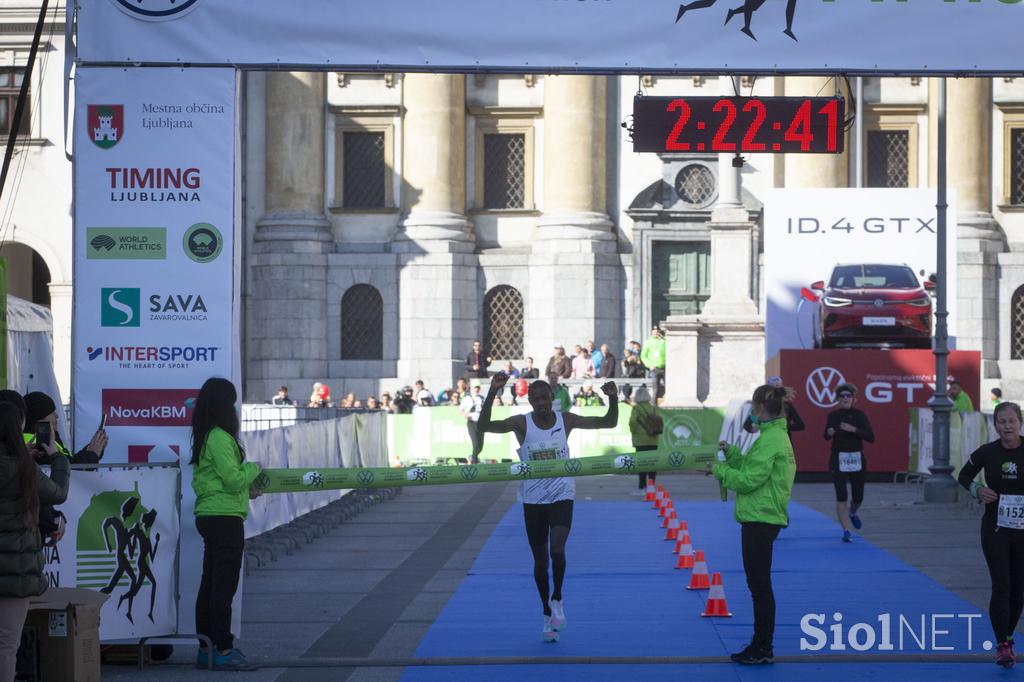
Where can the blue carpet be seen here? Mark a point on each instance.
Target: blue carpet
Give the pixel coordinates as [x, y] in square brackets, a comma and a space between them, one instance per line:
[624, 598]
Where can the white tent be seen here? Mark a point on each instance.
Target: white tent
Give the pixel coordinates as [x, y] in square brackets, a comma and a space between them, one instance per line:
[30, 355]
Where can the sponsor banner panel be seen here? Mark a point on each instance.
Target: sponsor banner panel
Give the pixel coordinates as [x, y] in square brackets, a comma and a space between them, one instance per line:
[889, 384]
[967, 433]
[852, 268]
[154, 270]
[439, 435]
[610, 35]
[122, 539]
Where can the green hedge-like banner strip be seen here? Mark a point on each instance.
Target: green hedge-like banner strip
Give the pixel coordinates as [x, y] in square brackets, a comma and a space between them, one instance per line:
[311, 480]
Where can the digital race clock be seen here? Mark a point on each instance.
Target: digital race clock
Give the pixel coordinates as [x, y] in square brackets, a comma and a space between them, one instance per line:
[810, 125]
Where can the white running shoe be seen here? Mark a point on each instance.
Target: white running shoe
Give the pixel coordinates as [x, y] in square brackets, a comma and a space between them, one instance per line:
[549, 634]
[557, 614]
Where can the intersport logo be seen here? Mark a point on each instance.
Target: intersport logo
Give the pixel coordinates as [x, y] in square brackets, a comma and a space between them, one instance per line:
[821, 386]
[158, 407]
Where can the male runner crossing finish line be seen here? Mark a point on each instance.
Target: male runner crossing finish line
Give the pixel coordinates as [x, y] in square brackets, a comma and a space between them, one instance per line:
[547, 503]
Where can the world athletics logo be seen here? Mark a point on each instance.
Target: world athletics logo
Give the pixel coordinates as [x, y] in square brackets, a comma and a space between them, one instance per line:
[676, 459]
[573, 466]
[365, 477]
[468, 473]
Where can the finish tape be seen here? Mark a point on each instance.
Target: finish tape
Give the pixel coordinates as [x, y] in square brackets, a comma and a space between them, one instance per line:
[311, 480]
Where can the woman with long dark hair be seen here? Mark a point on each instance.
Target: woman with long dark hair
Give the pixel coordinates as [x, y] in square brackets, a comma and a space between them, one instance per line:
[223, 483]
[22, 488]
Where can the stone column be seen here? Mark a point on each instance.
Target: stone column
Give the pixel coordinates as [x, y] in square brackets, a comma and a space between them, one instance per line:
[575, 278]
[287, 314]
[683, 366]
[60, 309]
[814, 170]
[439, 309]
[979, 236]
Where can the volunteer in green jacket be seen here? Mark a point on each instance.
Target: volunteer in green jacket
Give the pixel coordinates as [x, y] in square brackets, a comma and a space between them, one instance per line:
[640, 426]
[763, 481]
[223, 483]
[652, 355]
[961, 401]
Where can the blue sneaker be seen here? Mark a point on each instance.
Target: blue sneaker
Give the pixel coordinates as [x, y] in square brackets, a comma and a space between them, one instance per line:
[233, 660]
[855, 520]
[847, 536]
[203, 659]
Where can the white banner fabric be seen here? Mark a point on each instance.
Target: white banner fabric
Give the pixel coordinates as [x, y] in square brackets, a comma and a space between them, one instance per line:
[546, 35]
[807, 232]
[154, 267]
[122, 539]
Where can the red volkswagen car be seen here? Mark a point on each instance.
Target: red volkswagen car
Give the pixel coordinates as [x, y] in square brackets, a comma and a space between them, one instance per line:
[874, 305]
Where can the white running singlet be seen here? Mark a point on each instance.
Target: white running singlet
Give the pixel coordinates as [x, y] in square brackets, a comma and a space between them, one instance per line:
[542, 444]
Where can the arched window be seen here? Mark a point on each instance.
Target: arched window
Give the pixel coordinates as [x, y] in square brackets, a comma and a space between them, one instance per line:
[1017, 325]
[362, 324]
[503, 323]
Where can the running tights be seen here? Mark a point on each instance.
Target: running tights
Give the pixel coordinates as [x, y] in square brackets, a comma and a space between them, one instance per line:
[1004, 554]
[547, 529]
[856, 481]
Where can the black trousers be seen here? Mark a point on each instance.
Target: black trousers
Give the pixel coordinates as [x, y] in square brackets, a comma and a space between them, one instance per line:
[476, 437]
[223, 542]
[645, 474]
[656, 380]
[757, 541]
[1004, 554]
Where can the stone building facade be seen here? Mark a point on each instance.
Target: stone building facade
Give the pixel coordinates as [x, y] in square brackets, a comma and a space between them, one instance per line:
[391, 219]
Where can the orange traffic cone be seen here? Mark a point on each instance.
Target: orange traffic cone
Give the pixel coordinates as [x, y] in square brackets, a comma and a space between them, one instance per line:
[649, 492]
[685, 559]
[683, 532]
[659, 499]
[666, 506]
[699, 579]
[672, 533]
[715, 605]
[669, 513]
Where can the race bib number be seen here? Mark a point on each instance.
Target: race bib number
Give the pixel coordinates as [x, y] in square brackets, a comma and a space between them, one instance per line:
[1011, 512]
[542, 451]
[849, 462]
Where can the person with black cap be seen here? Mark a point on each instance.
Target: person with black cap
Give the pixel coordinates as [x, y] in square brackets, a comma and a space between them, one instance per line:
[40, 409]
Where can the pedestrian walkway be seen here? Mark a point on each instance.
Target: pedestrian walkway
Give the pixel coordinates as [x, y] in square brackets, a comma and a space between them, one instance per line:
[445, 572]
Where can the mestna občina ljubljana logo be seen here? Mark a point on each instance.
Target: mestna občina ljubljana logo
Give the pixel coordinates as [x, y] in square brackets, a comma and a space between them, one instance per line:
[156, 10]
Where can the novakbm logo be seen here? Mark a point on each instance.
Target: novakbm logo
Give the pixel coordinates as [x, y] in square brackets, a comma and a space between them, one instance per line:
[821, 386]
[119, 308]
[155, 10]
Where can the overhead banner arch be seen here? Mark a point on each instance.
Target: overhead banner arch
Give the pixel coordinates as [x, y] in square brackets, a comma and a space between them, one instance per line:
[607, 36]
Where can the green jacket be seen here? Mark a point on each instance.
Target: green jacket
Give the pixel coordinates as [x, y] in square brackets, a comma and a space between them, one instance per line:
[21, 561]
[763, 480]
[221, 479]
[561, 398]
[652, 354]
[638, 425]
[963, 403]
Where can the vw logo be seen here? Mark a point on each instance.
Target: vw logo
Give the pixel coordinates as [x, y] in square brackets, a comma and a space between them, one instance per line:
[155, 10]
[676, 459]
[468, 473]
[879, 303]
[573, 466]
[821, 386]
[365, 477]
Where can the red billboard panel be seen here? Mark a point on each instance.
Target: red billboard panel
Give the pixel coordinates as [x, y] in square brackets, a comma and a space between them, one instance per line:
[889, 383]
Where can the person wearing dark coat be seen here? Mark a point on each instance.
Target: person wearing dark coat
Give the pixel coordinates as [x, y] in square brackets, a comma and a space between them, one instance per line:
[23, 488]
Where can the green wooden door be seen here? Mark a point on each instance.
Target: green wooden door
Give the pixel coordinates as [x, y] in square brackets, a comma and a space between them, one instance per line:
[680, 278]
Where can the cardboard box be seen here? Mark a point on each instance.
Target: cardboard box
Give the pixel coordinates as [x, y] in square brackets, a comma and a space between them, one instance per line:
[68, 624]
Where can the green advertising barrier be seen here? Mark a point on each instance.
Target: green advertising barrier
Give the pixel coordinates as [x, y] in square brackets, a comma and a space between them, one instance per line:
[312, 480]
[433, 435]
